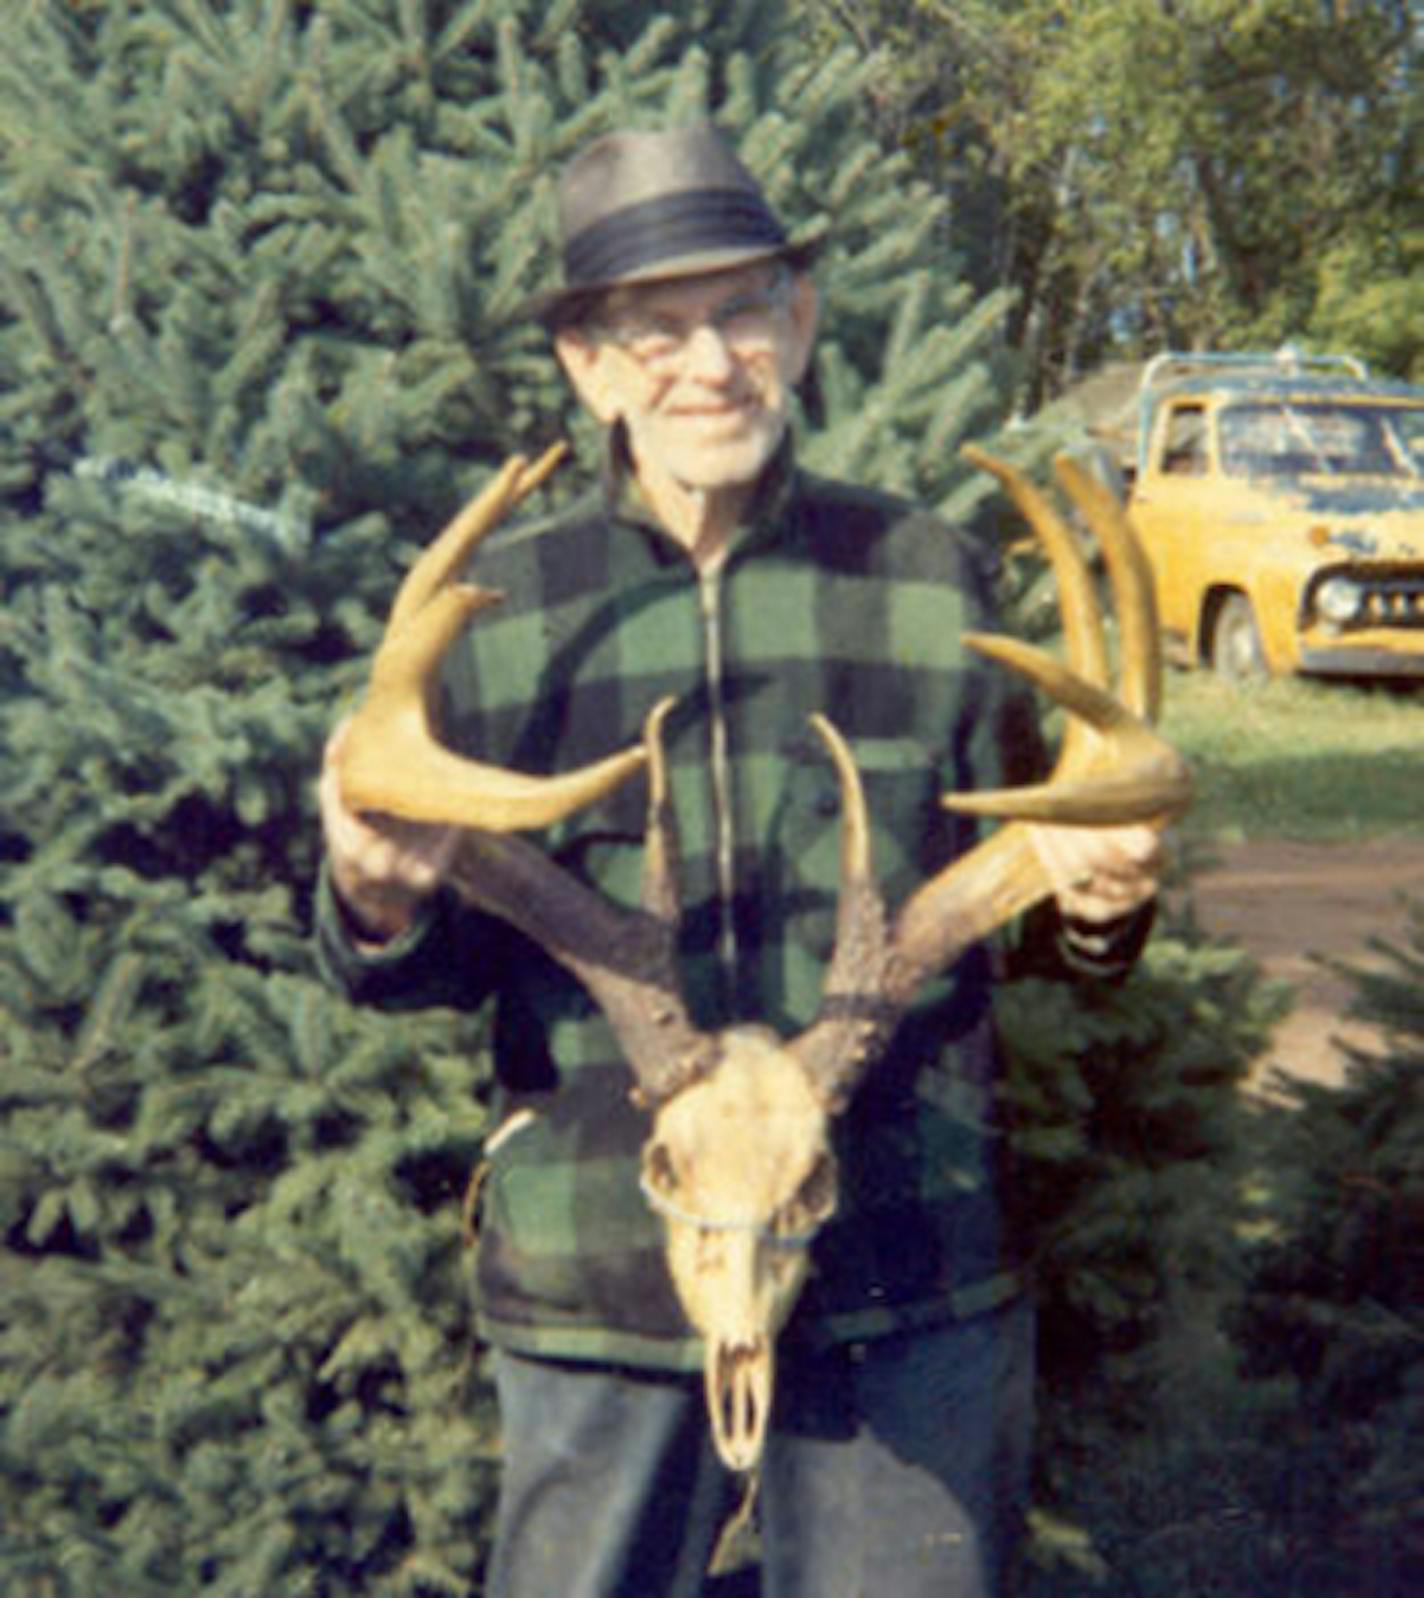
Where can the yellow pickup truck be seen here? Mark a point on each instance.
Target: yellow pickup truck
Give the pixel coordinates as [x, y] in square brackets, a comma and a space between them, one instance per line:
[1280, 501]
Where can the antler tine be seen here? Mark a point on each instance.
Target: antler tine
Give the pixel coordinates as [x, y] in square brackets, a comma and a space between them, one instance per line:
[662, 895]
[1134, 776]
[855, 1016]
[1126, 773]
[862, 943]
[1134, 599]
[1077, 599]
[462, 535]
[390, 759]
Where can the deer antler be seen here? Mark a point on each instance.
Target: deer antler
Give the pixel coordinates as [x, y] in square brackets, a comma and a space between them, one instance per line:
[391, 761]
[1112, 768]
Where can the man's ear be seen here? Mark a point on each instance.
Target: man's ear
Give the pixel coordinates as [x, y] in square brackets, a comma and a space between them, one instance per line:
[805, 313]
[589, 370]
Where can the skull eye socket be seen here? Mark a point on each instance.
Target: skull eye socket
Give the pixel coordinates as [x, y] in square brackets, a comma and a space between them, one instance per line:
[658, 1172]
[813, 1202]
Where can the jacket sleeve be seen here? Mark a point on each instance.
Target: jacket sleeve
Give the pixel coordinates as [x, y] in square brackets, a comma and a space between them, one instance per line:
[452, 955]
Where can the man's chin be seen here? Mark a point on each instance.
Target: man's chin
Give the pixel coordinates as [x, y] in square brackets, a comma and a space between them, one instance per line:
[729, 463]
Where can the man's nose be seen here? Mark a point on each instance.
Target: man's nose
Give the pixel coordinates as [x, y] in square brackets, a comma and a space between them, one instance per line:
[708, 356]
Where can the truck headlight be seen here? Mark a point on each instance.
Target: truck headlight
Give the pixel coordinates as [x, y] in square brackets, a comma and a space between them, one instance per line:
[1339, 599]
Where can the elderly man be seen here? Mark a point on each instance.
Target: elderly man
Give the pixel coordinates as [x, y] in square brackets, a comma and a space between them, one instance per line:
[707, 566]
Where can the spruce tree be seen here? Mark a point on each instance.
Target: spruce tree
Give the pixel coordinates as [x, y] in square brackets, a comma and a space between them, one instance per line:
[1130, 1173]
[1232, 1392]
[256, 264]
[1331, 1327]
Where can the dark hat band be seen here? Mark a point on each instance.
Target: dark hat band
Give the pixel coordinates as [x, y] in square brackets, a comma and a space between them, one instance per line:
[669, 228]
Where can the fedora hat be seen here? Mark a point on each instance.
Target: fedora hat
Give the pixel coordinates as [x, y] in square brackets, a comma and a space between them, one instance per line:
[636, 207]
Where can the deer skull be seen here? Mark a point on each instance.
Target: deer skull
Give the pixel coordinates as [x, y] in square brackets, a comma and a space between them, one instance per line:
[740, 1168]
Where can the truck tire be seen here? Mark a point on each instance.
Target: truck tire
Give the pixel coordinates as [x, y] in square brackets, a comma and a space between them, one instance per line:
[1234, 648]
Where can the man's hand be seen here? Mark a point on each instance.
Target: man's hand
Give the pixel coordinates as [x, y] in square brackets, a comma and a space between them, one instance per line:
[383, 869]
[1100, 873]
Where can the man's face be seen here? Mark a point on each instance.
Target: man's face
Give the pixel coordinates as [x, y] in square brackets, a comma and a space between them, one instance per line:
[700, 370]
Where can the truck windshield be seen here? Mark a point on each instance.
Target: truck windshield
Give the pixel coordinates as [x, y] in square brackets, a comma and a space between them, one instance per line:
[1310, 438]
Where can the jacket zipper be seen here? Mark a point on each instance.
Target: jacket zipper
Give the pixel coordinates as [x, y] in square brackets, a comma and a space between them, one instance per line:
[709, 586]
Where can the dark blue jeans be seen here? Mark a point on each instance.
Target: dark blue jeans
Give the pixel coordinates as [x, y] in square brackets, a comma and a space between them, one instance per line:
[896, 1468]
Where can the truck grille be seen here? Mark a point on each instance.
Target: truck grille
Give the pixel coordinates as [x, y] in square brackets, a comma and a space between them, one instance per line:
[1393, 601]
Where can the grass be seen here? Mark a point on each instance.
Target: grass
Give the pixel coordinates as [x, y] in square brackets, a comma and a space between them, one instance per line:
[1298, 759]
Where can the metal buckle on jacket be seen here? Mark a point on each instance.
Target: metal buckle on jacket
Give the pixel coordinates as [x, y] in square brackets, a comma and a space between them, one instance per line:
[479, 1176]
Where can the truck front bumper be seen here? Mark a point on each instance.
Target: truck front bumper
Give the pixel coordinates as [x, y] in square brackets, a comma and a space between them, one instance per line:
[1344, 659]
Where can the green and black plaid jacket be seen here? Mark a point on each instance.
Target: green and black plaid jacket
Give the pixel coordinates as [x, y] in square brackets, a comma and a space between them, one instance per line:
[833, 599]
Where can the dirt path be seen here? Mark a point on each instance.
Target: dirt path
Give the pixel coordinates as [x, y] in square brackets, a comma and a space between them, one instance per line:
[1285, 902]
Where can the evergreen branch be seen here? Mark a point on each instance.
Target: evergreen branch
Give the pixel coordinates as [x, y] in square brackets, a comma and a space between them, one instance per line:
[461, 28]
[112, 1005]
[325, 119]
[414, 30]
[120, 304]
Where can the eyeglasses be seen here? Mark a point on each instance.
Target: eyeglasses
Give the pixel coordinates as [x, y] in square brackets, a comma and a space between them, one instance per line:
[748, 324]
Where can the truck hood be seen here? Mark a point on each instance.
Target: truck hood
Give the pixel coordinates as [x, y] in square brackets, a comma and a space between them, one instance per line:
[1366, 518]
[1360, 496]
